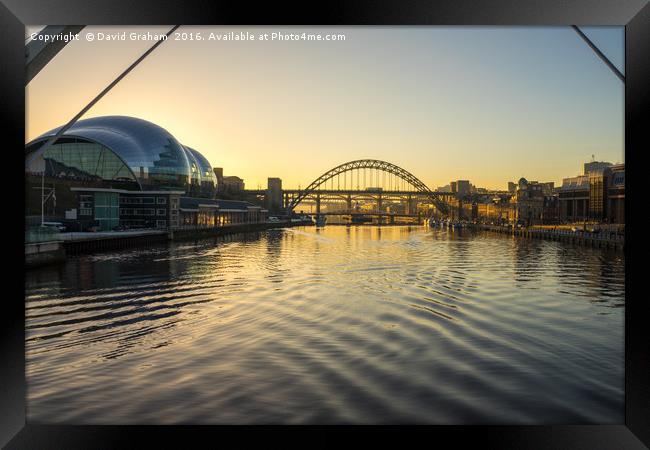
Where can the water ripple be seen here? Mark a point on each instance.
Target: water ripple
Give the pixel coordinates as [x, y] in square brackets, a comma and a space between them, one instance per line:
[334, 325]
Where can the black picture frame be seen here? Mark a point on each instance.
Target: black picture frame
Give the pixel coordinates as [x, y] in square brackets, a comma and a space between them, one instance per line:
[634, 14]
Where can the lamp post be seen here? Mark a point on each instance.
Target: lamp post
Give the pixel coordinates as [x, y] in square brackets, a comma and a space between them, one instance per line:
[44, 198]
[43, 193]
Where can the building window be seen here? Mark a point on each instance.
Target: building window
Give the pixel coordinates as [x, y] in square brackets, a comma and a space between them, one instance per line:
[144, 212]
[161, 212]
[107, 210]
[161, 200]
[161, 223]
[85, 212]
[137, 200]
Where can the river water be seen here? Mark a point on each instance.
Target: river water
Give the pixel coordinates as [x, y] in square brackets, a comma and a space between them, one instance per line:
[336, 325]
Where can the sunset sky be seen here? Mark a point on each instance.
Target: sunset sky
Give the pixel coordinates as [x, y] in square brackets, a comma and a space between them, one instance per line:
[488, 104]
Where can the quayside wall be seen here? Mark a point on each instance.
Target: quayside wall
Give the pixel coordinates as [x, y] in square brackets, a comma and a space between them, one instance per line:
[70, 244]
[607, 240]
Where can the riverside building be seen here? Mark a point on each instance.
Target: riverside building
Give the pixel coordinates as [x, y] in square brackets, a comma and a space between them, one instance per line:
[117, 171]
[598, 195]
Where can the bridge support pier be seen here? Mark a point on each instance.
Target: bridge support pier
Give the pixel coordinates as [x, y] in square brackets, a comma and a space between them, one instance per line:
[411, 205]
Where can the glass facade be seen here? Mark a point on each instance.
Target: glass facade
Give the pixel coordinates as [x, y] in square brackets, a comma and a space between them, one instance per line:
[75, 159]
[204, 182]
[125, 148]
[597, 185]
[107, 210]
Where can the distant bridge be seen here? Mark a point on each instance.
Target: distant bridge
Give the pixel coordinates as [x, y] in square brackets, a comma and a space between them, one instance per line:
[364, 179]
[361, 166]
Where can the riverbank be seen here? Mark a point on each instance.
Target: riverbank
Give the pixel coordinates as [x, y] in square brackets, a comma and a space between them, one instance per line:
[607, 240]
[70, 244]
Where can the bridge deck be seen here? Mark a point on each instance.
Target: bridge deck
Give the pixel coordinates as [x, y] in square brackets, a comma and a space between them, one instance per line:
[347, 191]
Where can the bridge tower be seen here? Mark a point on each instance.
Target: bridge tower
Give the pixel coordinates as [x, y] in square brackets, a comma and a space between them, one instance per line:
[379, 208]
[407, 207]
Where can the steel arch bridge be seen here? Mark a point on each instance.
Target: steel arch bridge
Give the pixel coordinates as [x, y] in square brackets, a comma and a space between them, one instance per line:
[376, 164]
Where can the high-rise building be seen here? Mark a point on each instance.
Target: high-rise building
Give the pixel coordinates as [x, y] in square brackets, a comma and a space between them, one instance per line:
[512, 186]
[274, 194]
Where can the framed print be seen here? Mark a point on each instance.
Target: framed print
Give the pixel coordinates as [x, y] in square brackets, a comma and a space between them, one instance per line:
[411, 216]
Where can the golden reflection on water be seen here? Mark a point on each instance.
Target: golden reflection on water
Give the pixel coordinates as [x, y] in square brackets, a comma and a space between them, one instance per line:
[335, 325]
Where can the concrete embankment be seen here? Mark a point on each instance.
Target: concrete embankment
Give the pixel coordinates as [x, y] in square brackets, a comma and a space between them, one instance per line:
[52, 252]
[198, 233]
[44, 253]
[607, 240]
[80, 243]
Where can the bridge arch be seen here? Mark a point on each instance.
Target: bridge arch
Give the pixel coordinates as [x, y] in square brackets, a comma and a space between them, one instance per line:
[370, 164]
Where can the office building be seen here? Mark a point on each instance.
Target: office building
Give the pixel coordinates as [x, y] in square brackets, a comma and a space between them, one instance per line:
[616, 194]
[274, 194]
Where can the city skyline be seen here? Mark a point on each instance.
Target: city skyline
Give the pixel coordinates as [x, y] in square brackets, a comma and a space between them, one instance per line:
[536, 100]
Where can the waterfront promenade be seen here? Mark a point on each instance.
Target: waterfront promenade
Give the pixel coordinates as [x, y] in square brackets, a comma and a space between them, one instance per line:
[602, 239]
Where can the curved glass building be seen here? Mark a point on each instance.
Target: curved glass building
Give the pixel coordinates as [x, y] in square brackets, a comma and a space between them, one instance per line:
[122, 152]
[203, 181]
